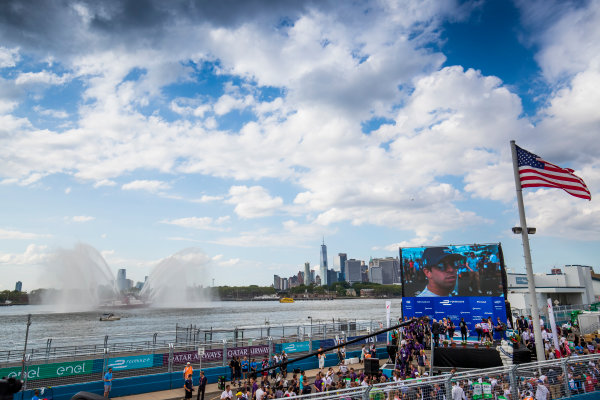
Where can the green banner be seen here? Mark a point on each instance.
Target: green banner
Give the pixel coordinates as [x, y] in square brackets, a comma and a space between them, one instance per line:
[44, 371]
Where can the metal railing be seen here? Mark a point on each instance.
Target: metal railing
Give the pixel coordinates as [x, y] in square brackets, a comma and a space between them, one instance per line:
[80, 364]
[69, 348]
[562, 378]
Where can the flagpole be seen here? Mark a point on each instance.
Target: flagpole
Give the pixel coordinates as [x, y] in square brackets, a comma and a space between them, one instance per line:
[535, 312]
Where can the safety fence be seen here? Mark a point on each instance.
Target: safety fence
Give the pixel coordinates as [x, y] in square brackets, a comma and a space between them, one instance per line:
[192, 336]
[563, 378]
[39, 370]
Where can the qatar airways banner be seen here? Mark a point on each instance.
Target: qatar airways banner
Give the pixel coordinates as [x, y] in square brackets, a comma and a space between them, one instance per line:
[217, 354]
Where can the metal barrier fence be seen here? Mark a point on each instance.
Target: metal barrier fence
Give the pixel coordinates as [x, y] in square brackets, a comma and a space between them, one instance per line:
[562, 313]
[154, 342]
[561, 378]
[80, 364]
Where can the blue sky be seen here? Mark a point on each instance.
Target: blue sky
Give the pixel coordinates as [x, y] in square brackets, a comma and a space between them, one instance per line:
[248, 131]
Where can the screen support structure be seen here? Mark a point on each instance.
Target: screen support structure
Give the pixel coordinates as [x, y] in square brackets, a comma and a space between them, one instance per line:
[535, 312]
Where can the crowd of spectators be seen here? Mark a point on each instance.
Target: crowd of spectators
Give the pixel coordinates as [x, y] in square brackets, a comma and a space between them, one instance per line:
[412, 368]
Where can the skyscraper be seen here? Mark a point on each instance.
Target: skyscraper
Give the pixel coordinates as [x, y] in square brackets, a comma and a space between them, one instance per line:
[341, 261]
[390, 269]
[18, 286]
[122, 279]
[331, 276]
[277, 282]
[323, 264]
[353, 271]
[307, 274]
[375, 274]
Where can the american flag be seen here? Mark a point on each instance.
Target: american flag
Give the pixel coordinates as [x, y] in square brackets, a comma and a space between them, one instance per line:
[536, 172]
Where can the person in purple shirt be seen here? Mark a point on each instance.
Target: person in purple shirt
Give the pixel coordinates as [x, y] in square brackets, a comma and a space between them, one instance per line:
[254, 386]
[318, 382]
[353, 375]
[404, 356]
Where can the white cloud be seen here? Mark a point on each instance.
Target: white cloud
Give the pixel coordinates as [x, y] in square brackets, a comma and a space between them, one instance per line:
[152, 186]
[68, 190]
[59, 114]
[253, 202]
[556, 213]
[218, 259]
[570, 44]
[207, 223]
[42, 77]
[207, 199]
[414, 242]
[104, 182]
[15, 234]
[82, 218]
[34, 254]
[290, 234]
[9, 57]
[228, 103]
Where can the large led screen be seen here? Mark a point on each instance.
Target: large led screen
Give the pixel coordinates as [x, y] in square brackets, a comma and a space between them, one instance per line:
[474, 270]
[454, 282]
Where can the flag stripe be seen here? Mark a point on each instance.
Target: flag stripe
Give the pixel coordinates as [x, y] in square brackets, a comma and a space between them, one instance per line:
[558, 177]
[536, 172]
[546, 184]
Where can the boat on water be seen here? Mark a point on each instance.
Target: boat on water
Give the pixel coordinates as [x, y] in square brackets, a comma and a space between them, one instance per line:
[286, 300]
[109, 317]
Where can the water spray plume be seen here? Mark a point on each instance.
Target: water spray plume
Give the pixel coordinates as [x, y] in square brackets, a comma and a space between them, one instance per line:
[82, 278]
[179, 280]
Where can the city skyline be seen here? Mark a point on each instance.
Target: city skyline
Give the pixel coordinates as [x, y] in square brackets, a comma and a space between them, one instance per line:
[245, 133]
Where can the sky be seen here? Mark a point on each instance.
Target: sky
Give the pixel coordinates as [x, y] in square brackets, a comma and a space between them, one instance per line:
[251, 131]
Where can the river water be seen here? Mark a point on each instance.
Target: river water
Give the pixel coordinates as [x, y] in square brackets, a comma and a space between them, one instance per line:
[84, 327]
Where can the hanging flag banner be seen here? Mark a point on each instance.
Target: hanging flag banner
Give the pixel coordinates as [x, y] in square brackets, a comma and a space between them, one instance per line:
[553, 324]
[388, 306]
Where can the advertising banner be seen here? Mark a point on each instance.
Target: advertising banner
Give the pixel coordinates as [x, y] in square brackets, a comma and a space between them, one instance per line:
[133, 362]
[217, 354]
[295, 347]
[382, 337]
[56, 370]
[472, 309]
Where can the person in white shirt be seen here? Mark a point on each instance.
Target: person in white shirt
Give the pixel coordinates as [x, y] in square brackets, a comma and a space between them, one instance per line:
[227, 393]
[344, 369]
[328, 380]
[457, 392]
[260, 392]
[542, 392]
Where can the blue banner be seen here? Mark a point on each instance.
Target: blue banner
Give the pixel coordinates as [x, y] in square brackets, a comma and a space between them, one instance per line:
[323, 344]
[382, 337]
[472, 309]
[133, 362]
[295, 347]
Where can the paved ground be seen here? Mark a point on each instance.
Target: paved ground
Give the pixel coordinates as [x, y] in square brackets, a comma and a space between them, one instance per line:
[212, 392]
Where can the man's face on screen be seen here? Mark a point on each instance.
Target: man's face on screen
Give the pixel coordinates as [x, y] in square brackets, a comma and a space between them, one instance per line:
[442, 277]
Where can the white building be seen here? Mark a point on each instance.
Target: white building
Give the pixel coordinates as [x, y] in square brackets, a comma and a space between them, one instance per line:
[572, 284]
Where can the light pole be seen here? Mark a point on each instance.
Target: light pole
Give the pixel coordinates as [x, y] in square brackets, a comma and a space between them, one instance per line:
[310, 326]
